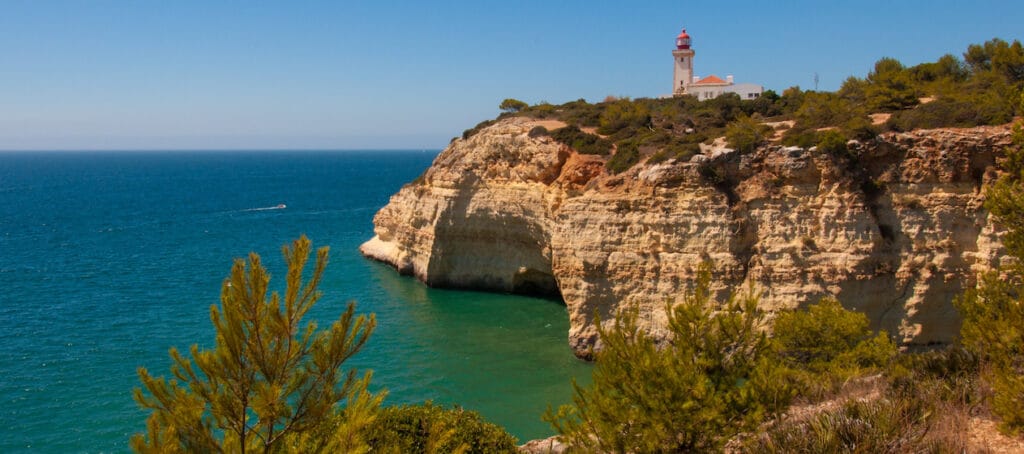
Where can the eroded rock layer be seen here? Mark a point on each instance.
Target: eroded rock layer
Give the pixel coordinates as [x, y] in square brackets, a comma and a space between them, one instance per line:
[895, 228]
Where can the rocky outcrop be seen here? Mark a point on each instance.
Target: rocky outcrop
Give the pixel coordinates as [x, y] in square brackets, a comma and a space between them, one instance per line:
[895, 229]
[550, 445]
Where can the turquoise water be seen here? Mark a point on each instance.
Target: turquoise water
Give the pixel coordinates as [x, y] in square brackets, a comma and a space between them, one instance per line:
[109, 259]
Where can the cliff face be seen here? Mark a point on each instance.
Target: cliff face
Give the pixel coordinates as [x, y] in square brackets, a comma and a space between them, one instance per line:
[896, 233]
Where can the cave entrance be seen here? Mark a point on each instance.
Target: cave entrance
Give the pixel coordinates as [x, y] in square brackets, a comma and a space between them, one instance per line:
[534, 282]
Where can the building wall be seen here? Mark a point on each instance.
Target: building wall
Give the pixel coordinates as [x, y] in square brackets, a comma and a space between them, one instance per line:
[704, 92]
[683, 72]
[747, 91]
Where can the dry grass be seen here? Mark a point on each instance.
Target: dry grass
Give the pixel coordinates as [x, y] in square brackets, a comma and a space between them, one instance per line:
[983, 436]
[932, 416]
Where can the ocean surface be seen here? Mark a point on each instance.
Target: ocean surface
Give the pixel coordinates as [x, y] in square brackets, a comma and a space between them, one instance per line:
[107, 259]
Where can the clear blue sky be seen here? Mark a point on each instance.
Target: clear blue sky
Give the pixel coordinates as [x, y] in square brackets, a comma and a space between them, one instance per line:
[387, 74]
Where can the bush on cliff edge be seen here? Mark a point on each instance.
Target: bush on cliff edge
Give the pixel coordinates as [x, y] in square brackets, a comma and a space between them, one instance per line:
[745, 134]
[582, 142]
[432, 428]
[714, 379]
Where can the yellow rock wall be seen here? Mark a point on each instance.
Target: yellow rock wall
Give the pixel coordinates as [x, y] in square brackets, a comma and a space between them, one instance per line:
[896, 233]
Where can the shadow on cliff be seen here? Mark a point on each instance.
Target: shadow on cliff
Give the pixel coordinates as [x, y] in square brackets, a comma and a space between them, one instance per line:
[884, 283]
[492, 247]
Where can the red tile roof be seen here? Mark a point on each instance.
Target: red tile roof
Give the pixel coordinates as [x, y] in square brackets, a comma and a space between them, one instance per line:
[711, 80]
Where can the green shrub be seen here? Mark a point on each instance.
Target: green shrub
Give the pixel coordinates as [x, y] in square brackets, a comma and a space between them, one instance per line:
[745, 134]
[580, 113]
[582, 142]
[727, 107]
[431, 428]
[767, 105]
[854, 91]
[678, 150]
[890, 87]
[623, 116]
[541, 110]
[820, 110]
[538, 131]
[993, 329]
[833, 143]
[999, 57]
[626, 155]
[819, 336]
[947, 67]
[658, 157]
[712, 380]
[826, 344]
[649, 137]
[954, 111]
[859, 128]
[512, 105]
[791, 100]
[801, 137]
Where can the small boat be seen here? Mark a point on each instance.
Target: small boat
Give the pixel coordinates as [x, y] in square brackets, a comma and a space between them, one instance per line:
[281, 206]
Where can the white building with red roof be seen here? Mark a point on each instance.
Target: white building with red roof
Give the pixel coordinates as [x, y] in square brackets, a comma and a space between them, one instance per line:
[686, 83]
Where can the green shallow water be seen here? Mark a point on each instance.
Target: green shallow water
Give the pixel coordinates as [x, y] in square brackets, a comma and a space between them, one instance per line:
[504, 356]
[109, 259]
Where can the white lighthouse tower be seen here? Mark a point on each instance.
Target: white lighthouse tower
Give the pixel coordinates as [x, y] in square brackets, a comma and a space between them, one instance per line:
[683, 56]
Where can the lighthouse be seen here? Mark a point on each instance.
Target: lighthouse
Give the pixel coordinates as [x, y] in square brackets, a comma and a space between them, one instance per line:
[683, 55]
[710, 87]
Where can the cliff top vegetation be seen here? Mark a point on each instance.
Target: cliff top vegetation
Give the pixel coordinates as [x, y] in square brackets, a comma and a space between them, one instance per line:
[981, 88]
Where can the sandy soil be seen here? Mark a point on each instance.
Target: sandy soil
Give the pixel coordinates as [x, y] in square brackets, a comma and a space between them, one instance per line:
[879, 118]
[778, 128]
[551, 125]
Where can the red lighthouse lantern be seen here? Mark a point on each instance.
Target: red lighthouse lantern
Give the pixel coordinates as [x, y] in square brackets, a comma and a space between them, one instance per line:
[683, 40]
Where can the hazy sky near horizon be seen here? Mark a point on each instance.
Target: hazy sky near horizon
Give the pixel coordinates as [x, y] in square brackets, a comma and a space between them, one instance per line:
[400, 74]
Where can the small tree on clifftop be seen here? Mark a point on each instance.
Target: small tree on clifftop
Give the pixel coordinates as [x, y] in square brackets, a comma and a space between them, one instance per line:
[512, 105]
[270, 384]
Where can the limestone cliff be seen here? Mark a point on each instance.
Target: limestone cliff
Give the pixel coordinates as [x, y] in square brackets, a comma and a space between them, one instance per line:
[896, 233]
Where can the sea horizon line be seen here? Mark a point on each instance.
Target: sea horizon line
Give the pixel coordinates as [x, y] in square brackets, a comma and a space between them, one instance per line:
[217, 150]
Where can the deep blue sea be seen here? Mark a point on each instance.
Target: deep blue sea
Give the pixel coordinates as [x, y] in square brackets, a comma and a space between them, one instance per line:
[107, 259]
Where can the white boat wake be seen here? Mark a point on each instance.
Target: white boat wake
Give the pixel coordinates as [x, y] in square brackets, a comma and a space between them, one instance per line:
[280, 206]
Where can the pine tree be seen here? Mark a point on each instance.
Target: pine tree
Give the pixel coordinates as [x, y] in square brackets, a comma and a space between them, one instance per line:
[512, 105]
[715, 378]
[270, 383]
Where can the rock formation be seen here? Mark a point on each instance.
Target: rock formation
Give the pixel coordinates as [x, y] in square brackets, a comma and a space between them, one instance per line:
[895, 229]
